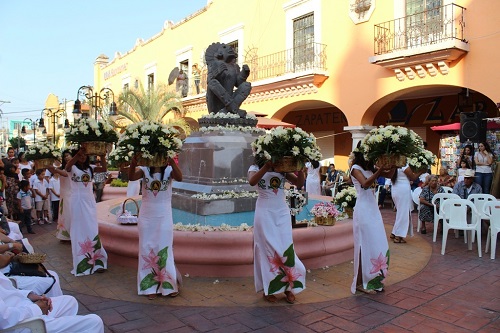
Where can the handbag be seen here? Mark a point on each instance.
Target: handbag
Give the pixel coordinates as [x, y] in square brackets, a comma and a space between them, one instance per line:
[17, 268]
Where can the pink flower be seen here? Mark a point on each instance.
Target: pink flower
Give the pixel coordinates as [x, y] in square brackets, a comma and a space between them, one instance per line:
[86, 247]
[150, 261]
[161, 276]
[276, 262]
[291, 275]
[379, 264]
[94, 256]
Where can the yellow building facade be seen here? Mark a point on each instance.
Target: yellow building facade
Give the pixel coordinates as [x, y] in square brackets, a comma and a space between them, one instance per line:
[333, 67]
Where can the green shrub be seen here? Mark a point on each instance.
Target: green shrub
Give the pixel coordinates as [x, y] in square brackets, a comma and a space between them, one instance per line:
[118, 183]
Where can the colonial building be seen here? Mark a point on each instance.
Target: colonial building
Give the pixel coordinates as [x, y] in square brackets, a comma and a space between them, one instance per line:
[333, 68]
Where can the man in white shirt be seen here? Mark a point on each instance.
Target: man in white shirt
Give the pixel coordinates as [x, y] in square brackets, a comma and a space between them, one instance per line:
[59, 313]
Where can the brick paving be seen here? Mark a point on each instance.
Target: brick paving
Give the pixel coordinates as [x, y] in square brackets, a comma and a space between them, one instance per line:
[425, 292]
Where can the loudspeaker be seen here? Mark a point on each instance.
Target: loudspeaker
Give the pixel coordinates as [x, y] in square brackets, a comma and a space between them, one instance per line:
[472, 126]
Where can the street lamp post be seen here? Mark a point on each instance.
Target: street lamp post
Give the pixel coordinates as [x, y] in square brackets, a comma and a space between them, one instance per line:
[104, 95]
[53, 115]
[32, 124]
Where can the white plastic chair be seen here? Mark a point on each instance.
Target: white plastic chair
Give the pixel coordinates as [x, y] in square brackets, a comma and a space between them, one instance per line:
[492, 210]
[455, 217]
[447, 189]
[439, 198]
[415, 195]
[336, 184]
[33, 325]
[479, 200]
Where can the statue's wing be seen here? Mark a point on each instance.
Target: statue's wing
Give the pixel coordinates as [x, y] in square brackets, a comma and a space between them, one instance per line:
[173, 75]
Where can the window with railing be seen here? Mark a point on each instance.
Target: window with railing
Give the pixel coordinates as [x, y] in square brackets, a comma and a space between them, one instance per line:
[303, 41]
[427, 22]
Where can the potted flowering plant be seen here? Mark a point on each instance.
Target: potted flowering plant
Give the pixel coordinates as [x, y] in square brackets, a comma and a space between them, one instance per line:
[152, 143]
[287, 148]
[43, 155]
[300, 200]
[390, 145]
[422, 160]
[346, 200]
[325, 213]
[92, 134]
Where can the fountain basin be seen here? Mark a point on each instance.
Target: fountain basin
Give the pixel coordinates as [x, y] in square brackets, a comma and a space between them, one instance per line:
[223, 253]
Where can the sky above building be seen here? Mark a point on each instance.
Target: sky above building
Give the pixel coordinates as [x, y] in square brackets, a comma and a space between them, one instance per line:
[50, 46]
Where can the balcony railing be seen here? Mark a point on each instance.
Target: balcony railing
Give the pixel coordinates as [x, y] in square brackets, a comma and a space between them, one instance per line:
[433, 26]
[308, 57]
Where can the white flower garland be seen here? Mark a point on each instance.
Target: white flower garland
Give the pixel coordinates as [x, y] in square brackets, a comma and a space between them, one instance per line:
[225, 195]
[300, 200]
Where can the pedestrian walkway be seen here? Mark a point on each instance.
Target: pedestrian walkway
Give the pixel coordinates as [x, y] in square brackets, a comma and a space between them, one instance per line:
[425, 292]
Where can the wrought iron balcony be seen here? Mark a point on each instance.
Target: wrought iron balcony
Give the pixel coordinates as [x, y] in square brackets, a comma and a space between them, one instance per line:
[431, 27]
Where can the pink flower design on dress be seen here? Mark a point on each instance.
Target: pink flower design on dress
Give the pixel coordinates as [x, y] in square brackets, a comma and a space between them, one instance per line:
[150, 261]
[94, 256]
[379, 264]
[276, 262]
[86, 247]
[162, 275]
[291, 275]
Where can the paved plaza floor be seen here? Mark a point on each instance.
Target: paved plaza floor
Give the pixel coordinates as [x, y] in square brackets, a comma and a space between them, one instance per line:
[425, 292]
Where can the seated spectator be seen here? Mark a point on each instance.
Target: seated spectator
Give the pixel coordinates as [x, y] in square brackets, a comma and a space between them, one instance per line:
[332, 178]
[9, 229]
[426, 213]
[445, 179]
[467, 186]
[59, 313]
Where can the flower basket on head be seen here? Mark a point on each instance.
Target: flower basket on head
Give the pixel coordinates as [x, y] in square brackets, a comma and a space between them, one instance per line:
[422, 160]
[44, 155]
[390, 145]
[152, 143]
[92, 134]
[325, 213]
[287, 148]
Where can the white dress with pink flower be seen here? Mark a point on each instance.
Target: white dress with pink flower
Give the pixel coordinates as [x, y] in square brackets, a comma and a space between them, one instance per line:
[370, 240]
[276, 266]
[156, 271]
[88, 253]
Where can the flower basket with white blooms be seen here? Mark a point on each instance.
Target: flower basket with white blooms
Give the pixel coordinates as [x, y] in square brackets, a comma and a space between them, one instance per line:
[287, 148]
[94, 135]
[346, 200]
[422, 160]
[43, 155]
[152, 143]
[390, 145]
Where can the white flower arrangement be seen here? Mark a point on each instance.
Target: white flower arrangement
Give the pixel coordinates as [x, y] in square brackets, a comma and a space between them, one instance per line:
[300, 200]
[225, 195]
[42, 151]
[120, 155]
[223, 227]
[346, 198]
[422, 160]
[88, 129]
[280, 142]
[227, 115]
[148, 138]
[325, 209]
[390, 140]
[231, 128]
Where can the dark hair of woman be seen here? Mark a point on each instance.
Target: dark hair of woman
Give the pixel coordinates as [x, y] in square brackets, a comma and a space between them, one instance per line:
[20, 155]
[162, 172]
[359, 159]
[10, 171]
[85, 165]
[487, 147]
[315, 164]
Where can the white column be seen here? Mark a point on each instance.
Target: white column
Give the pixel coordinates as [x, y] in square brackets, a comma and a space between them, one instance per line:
[358, 133]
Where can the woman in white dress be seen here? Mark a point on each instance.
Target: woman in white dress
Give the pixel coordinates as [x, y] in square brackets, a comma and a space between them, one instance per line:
[277, 268]
[403, 202]
[64, 220]
[89, 255]
[156, 272]
[313, 181]
[371, 250]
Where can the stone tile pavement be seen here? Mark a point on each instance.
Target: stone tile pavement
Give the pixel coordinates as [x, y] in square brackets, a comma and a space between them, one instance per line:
[425, 292]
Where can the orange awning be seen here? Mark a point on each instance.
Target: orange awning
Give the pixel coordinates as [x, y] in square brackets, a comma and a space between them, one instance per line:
[271, 123]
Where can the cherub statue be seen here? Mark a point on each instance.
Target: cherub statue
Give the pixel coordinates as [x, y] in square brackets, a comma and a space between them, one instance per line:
[223, 75]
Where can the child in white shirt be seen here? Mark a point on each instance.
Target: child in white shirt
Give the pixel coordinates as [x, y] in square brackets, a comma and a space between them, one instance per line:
[40, 187]
[55, 192]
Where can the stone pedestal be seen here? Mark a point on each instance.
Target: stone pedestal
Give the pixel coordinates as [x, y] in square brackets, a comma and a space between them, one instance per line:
[211, 163]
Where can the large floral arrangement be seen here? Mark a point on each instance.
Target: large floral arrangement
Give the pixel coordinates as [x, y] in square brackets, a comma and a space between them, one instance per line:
[280, 142]
[88, 129]
[390, 140]
[120, 156]
[422, 160]
[325, 209]
[42, 151]
[346, 198]
[300, 200]
[147, 139]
